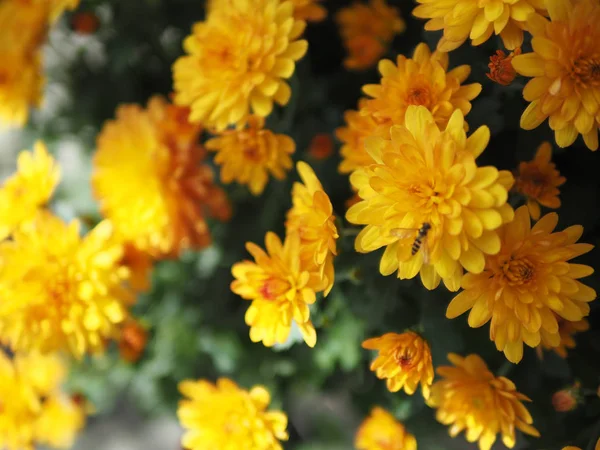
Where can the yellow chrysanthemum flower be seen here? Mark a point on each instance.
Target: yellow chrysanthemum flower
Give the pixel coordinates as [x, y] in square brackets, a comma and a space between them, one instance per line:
[248, 155]
[281, 289]
[565, 66]
[566, 330]
[478, 21]
[570, 447]
[61, 291]
[471, 398]
[225, 76]
[538, 181]
[311, 216]
[30, 188]
[309, 10]
[526, 283]
[381, 431]
[34, 410]
[21, 87]
[149, 181]
[222, 415]
[367, 31]
[404, 360]
[427, 202]
[421, 80]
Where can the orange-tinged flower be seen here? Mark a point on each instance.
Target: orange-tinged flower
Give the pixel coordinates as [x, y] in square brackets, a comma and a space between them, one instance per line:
[34, 409]
[85, 22]
[565, 66]
[21, 87]
[61, 291]
[527, 284]
[381, 431]
[421, 80]
[566, 399]
[538, 181]
[428, 175]
[321, 146]
[467, 19]
[280, 288]
[309, 10]
[149, 181]
[223, 415]
[469, 397]
[367, 31]
[132, 341]
[501, 69]
[312, 218]
[570, 447]
[566, 330]
[140, 265]
[225, 76]
[250, 154]
[30, 188]
[404, 361]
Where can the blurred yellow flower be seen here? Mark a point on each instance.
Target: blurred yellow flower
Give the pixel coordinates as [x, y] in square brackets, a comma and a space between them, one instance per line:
[421, 80]
[61, 291]
[427, 202]
[526, 283]
[566, 330]
[311, 216]
[60, 6]
[34, 410]
[538, 181]
[149, 180]
[381, 431]
[469, 397]
[224, 416]
[21, 87]
[569, 447]
[367, 31]
[478, 21]
[250, 154]
[565, 66]
[225, 76]
[404, 360]
[309, 10]
[30, 188]
[281, 289]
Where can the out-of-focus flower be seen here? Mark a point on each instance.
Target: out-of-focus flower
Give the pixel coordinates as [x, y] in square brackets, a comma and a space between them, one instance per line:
[140, 265]
[312, 218]
[321, 146]
[309, 10]
[422, 80]
[527, 284]
[30, 188]
[225, 76]
[57, 7]
[21, 87]
[34, 410]
[538, 180]
[427, 202]
[61, 291]
[250, 154]
[404, 360]
[566, 330]
[381, 431]
[566, 399]
[85, 22]
[565, 67]
[149, 181]
[132, 341]
[367, 31]
[469, 397]
[222, 415]
[570, 447]
[478, 21]
[501, 69]
[281, 289]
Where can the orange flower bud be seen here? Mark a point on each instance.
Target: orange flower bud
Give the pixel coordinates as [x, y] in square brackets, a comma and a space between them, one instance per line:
[133, 341]
[321, 146]
[501, 69]
[566, 399]
[85, 23]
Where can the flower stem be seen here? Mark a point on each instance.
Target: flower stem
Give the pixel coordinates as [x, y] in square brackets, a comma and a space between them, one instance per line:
[505, 369]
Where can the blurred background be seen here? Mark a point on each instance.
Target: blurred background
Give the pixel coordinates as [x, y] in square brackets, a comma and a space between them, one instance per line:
[196, 324]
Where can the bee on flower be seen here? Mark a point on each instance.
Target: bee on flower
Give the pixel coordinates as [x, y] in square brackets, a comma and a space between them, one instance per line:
[223, 415]
[527, 285]
[381, 431]
[404, 360]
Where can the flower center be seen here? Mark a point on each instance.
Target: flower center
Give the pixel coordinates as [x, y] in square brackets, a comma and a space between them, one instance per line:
[518, 271]
[586, 71]
[418, 95]
[532, 184]
[252, 153]
[273, 288]
[404, 357]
